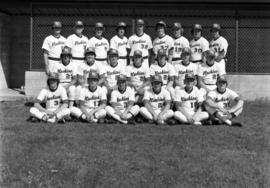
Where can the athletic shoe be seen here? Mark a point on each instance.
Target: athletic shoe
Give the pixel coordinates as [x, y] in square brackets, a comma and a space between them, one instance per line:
[236, 124]
[197, 123]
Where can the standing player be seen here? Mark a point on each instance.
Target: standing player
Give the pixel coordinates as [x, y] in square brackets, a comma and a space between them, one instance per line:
[100, 44]
[163, 41]
[52, 46]
[92, 101]
[157, 102]
[77, 43]
[66, 71]
[119, 43]
[208, 72]
[56, 101]
[219, 44]
[198, 44]
[183, 68]
[112, 71]
[188, 102]
[180, 42]
[223, 103]
[122, 101]
[140, 41]
[138, 74]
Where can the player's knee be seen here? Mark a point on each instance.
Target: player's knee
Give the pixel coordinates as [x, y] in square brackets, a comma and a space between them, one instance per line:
[109, 110]
[135, 110]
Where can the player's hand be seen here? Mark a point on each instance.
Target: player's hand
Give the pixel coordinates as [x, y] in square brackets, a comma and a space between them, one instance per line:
[155, 117]
[223, 110]
[124, 116]
[160, 117]
[47, 71]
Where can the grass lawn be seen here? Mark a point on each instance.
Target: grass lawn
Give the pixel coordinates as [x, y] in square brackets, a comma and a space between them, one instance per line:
[82, 155]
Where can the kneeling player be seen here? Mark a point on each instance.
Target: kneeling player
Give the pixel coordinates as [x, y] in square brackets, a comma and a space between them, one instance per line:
[223, 103]
[92, 101]
[56, 100]
[188, 103]
[122, 102]
[157, 102]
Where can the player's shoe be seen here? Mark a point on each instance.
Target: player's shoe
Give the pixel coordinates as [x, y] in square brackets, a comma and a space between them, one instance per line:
[33, 119]
[61, 121]
[132, 121]
[101, 120]
[236, 124]
[197, 123]
[171, 121]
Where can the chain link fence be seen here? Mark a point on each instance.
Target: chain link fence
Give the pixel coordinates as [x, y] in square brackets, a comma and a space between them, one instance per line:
[248, 36]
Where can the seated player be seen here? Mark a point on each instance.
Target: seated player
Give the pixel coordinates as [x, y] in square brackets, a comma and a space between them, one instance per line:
[92, 101]
[112, 71]
[66, 71]
[56, 102]
[157, 101]
[138, 75]
[223, 103]
[208, 72]
[122, 101]
[188, 101]
[164, 69]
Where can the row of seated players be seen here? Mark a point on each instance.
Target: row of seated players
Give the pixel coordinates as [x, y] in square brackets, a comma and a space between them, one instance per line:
[188, 105]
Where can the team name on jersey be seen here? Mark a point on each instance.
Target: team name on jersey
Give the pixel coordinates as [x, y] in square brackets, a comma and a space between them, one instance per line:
[122, 43]
[162, 72]
[80, 42]
[137, 73]
[101, 44]
[58, 43]
[139, 41]
[185, 72]
[160, 42]
[214, 45]
[221, 99]
[53, 97]
[64, 71]
[195, 45]
[122, 99]
[209, 72]
[86, 71]
[113, 72]
[190, 98]
[156, 100]
[91, 98]
[177, 44]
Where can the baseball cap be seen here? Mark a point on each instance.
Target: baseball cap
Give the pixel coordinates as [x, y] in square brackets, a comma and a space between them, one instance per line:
[53, 76]
[221, 79]
[186, 50]
[161, 23]
[57, 24]
[190, 76]
[210, 53]
[79, 24]
[137, 53]
[93, 75]
[140, 22]
[113, 52]
[99, 25]
[66, 51]
[215, 27]
[156, 78]
[90, 50]
[177, 25]
[121, 78]
[161, 52]
[121, 24]
[197, 27]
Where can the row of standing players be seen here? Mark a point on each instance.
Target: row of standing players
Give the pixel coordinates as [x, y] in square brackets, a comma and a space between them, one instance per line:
[154, 96]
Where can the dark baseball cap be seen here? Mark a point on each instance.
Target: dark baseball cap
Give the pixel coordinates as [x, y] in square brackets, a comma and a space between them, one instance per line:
[177, 25]
[186, 51]
[93, 75]
[197, 27]
[79, 24]
[57, 24]
[190, 76]
[121, 78]
[140, 22]
[156, 78]
[99, 25]
[90, 50]
[215, 27]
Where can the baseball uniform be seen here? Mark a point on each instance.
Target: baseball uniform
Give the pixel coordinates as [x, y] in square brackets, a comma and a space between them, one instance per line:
[166, 42]
[178, 44]
[166, 71]
[197, 48]
[101, 47]
[219, 45]
[120, 44]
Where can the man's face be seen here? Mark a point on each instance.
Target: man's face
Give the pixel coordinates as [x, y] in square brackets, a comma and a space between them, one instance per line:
[53, 84]
[197, 33]
[189, 82]
[57, 30]
[93, 83]
[210, 60]
[90, 58]
[156, 86]
[113, 58]
[176, 32]
[161, 60]
[121, 31]
[137, 60]
[79, 30]
[160, 30]
[185, 58]
[215, 33]
[66, 59]
[139, 28]
[99, 31]
[121, 85]
[222, 85]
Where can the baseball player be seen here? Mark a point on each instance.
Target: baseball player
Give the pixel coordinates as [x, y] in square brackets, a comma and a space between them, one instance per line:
[92, 101]
[163, 41]
[66, 71]
[100, 44]
[164, 69]
[140, 41]
[188, 103]
[179, 43]
[138, 74]
[122, 101]
[223, 103]
[119, 43]
[56, 101]
[77, 43]
[219, 44]
[157, 101]
[198, 44]
[208, 72]
[184, 67]
[112, 70]
[52, 46]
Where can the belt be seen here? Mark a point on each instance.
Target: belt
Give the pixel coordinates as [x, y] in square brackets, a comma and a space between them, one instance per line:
[210, 84]
[122, 57]
[54, 58]
[101, 59]
[198, 61]
[78, 58]
[145, 57]
[176, 59]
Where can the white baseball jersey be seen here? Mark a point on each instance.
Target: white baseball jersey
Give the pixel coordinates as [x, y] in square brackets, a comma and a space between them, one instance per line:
[223, 99]
[219, 45]
[119, 44]
[53, 99]
[165, 72]
[189, 100]
[197, 48]
[111, 73]
[138, 75]
[77, 45]
[65, 72]
[92, 99]
[84, 69]
[123, 98]
[210, 73]
[181, 70]
[143, 43]
[178, 45]
[101, 47]
[157, 101]
[54, 45]
[165, 42]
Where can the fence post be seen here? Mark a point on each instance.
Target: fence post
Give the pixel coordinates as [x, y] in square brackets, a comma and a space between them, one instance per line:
[236, 41]
[31, 39]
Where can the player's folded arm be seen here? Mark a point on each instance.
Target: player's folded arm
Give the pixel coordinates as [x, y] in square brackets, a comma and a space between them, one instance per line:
[210, 102]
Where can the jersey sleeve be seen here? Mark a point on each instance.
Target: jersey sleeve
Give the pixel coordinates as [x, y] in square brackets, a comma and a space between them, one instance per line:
[113, 43]
[64, 96]
[200, 96]
[212, 95]
[42, 95]
[146, 95]
[74, 69]
[45, 44]
[178, 95]
[149, 43]
[233, 94]
[199, 70]
[167, 95]
[205, 45]
[221, 70]
[171, 70]
[152, 70]
[131, 95]
[103, 95]
[82, 94]
[147, 72]
[128, 72]
[171, 43]
[90, 44]
[186, 43]
[224, 46]
[114, 96]
[129, 43]
[79, 69]
[69, 42]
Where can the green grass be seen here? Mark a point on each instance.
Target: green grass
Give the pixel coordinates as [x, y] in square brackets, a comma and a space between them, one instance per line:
[82, 155]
